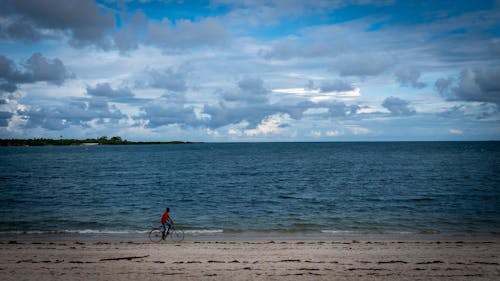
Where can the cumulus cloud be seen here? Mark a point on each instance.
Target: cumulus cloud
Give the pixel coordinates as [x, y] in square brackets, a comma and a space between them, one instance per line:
[9, 105]
[479, 111]
[168, 111]
[398, 107]
[78, 113]
[15, 28]
[37, 68]
[170, 79]
[128, 36]
[250, 90]
[340, 109]
[104, 90]
[409, 78]
[479, 85]
[222, 114]
[273, 124]
[29, 20]
[43, 69]
[249, 103]
[443, 84]
[246, 103]
[5, 117]
[10, 75]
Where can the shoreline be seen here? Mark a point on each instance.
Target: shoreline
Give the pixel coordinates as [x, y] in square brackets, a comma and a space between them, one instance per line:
[216, 236]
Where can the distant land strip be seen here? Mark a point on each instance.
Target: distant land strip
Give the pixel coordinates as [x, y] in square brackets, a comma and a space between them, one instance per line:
[86, 142]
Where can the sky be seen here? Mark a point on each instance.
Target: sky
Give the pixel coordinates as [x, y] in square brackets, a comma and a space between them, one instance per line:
[250, 70]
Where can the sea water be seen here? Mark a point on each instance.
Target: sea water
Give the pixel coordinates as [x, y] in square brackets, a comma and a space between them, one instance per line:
[379, 187]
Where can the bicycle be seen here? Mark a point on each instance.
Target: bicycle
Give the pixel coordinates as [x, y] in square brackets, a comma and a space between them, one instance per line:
[156, 234]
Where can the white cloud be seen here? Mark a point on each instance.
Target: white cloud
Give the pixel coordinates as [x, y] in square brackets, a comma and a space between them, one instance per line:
[455, 131]
[318, 96]
[270, 125]
[358, 130]
[234, 132]
[334, 133]
[316, 134]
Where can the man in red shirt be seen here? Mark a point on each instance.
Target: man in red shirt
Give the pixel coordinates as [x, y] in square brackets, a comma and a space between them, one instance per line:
[166, 223]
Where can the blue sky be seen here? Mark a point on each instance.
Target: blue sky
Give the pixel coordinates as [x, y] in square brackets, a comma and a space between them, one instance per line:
[225, 70]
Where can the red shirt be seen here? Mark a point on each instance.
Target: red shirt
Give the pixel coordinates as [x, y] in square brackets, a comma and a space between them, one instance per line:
[164, 218]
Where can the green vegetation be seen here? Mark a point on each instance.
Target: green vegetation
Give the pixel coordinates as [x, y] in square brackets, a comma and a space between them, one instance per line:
[99, 141]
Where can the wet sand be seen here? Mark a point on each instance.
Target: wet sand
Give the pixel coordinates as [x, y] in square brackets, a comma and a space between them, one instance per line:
[251, 260]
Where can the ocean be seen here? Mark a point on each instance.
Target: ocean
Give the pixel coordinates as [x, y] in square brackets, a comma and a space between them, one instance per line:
[445, 188]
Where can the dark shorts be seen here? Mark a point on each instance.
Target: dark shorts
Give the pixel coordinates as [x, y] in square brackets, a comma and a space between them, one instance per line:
[165, 226]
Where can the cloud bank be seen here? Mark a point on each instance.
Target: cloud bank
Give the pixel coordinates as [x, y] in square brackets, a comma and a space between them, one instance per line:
[250, 70]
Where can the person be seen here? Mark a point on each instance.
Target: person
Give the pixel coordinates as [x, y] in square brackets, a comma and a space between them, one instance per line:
[166, 223]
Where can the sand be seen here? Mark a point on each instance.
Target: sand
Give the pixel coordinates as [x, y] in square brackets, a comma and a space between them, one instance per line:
[251, 260]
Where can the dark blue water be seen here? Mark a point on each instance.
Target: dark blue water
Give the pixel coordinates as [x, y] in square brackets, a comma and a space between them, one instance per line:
[415, 187]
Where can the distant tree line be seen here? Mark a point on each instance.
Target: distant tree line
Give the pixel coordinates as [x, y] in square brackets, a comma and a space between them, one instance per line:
[116, 140]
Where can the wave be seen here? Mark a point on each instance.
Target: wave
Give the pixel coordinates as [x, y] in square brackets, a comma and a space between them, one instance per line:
[110, 232]
[217, 232]
[203, 231]
[366, 232]
[81, 231]
[328, 231]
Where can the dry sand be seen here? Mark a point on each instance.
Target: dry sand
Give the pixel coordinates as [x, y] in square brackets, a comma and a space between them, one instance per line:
[253, 260]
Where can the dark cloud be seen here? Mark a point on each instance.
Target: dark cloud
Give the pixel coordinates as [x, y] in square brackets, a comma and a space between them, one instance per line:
[398, 107]
[10, 76]
[8, 105]
[76, 113]
[5, 117]
[335, 86]
[443, 84]
[249, 103]
[127, 37]
[43, 69]
[250, 90]
[170, 79]
[340, 109]
[409, 78]
[81, 19]
[168, 110]
[478, 111]
[18, 28]
[44, 118]
[223, 114]
[105, 90]
[478, 85]
[37, 68]
[186, 34]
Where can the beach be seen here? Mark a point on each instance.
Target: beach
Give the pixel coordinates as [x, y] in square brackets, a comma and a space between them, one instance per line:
[251, 260]
[252, 211]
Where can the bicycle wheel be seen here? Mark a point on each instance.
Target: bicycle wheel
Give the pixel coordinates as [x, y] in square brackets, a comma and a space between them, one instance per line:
[177, 235]
[155, 235]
